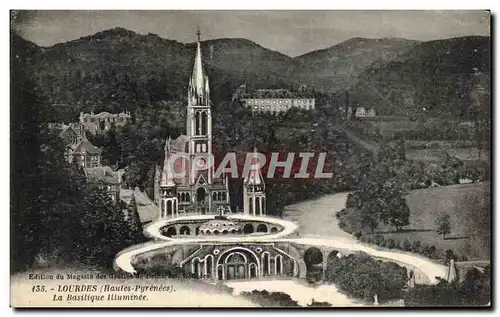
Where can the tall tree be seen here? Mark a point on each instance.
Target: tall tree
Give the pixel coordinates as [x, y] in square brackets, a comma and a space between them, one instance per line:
[443, 225]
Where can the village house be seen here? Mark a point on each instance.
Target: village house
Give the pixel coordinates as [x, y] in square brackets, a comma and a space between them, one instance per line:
[85, 153]
[71, 133]
[102, 122]
[107, 179]
[362, 113]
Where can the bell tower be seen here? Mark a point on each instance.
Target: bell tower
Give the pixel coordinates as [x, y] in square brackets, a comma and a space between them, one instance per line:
[254, 190]
[199, 121]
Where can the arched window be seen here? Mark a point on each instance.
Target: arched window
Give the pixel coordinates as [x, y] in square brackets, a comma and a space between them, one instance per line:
[262, 228]
[278, 262]
[236, 258]
[183, 197]
[197, 126]
[209, 264]
[248, 228]
[184, 230]
[265, 264]
[214, 196]
[171, 232]
[252, 270]
[257, 206]
[250, 205]
[188, 197]
[162, 204]
[204, 123]
[220, 272]
[195, 267]
[169, 208]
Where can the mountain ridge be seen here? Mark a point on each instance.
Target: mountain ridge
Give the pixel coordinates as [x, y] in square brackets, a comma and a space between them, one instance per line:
[118, 68]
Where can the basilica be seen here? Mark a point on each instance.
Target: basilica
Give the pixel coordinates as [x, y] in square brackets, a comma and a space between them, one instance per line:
[196, 205]
[199, 191]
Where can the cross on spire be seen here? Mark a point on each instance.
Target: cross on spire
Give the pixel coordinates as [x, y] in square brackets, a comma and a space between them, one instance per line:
[198, 33]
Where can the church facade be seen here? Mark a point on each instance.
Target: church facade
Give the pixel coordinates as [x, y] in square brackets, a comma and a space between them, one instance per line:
[199, 191]
[183, 189]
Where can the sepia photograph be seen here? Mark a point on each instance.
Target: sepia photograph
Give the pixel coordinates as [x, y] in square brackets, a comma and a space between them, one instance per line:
[265, 158]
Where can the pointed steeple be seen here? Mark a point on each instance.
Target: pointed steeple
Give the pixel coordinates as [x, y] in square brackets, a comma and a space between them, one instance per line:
[167, 177]
[254, 176]
[198, 84]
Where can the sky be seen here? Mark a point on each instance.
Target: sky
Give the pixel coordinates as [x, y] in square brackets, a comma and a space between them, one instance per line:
[290, 32]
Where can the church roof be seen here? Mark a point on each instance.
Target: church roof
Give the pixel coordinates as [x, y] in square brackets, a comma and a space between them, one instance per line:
[254, 176]
[220, 226]
[179, 144]
[86, 146]
[106, 114]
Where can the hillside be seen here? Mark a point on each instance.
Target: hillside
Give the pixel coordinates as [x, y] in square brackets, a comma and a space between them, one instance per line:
[470, 213]
[338, 67]
[118, 68]
[437, 75]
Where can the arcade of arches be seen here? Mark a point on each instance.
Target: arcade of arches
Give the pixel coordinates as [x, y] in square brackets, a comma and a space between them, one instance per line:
[240, 263]
[224, 228]
[168, 208]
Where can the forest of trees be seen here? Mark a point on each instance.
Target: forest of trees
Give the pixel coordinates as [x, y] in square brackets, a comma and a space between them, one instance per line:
[361, 276]
[56, 217]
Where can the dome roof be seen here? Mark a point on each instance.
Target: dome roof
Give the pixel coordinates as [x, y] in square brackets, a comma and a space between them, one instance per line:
[220, 225]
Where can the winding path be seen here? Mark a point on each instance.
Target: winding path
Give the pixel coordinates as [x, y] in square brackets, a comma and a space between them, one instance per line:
[317, 226]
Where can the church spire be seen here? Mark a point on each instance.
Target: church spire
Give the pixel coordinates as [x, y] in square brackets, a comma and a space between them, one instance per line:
[167, 177]
[254, 176]
[199, 81]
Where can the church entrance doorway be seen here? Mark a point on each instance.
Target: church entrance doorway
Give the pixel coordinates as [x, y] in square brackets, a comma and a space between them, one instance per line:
[237, 263]
[201, 194]
[236, 266]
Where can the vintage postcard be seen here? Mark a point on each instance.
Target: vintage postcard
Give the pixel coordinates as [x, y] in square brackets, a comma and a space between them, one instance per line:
[250, 158]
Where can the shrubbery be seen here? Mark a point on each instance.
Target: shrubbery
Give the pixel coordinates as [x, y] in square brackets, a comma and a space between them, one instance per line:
[269, 299]
[406, 245]
[429, 251]
[361, 276]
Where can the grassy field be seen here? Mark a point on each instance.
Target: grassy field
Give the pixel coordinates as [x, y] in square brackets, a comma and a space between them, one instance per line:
[389, 128]
[470, 221]
[418, 149]
[437, 144]
[470, 154]
[385, 127]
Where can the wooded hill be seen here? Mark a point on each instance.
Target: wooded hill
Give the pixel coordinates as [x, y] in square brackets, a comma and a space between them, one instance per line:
[117, 69]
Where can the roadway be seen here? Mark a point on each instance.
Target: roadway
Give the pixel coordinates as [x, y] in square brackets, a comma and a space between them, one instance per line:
[307, 214]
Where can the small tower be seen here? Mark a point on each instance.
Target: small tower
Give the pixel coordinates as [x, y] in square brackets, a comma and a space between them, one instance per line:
[168, 189]
[254, 190]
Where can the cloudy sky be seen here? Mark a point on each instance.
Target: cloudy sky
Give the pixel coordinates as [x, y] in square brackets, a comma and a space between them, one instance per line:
[290, 32]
